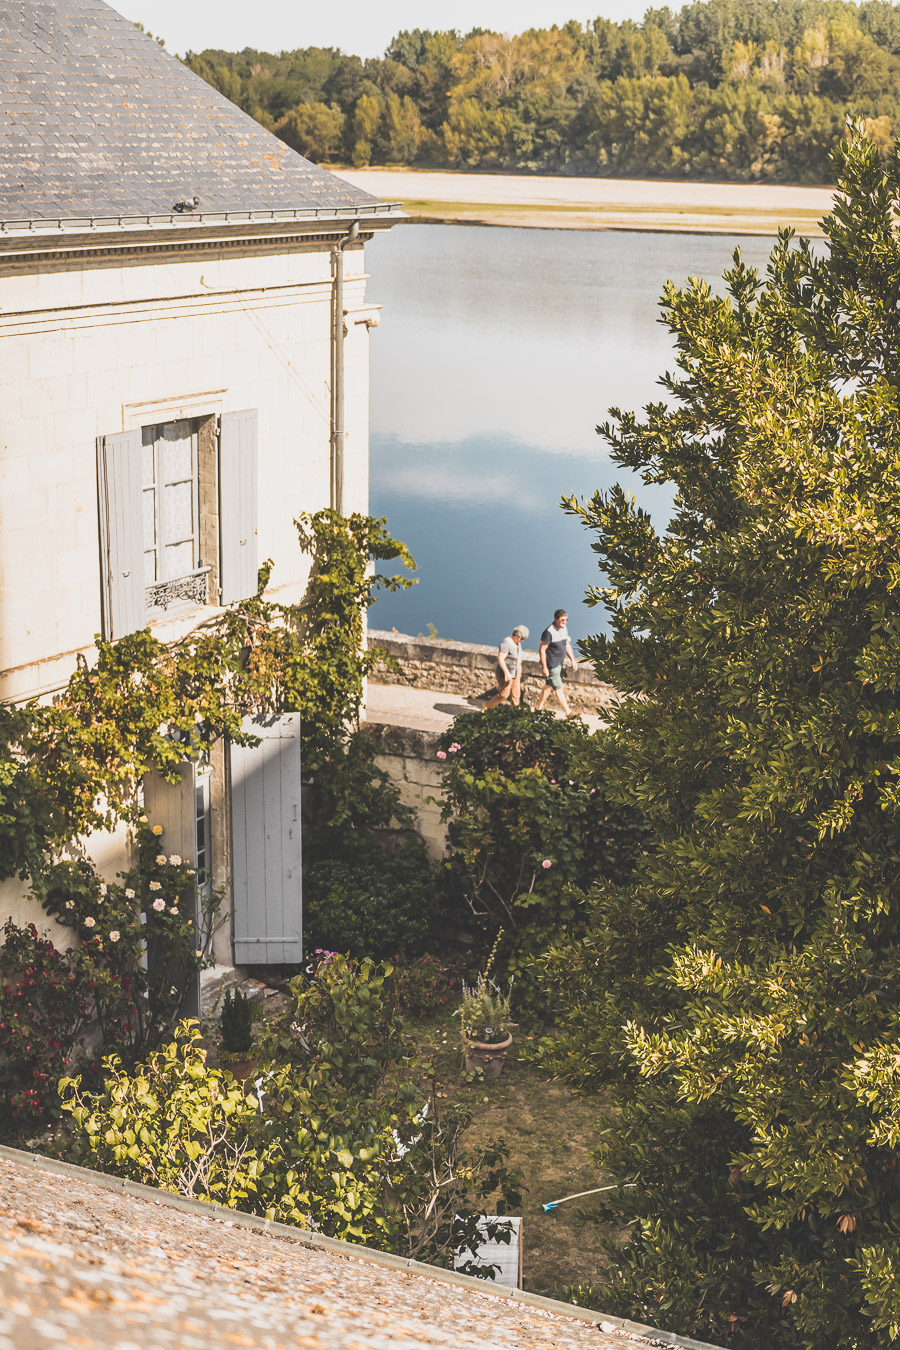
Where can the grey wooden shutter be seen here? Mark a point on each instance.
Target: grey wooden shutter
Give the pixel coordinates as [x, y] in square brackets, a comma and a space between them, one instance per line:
[237, 505]
[121, 532]
[265, 832]
[172, 805]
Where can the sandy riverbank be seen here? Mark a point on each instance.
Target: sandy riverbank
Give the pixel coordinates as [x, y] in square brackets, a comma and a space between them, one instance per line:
[596, 203]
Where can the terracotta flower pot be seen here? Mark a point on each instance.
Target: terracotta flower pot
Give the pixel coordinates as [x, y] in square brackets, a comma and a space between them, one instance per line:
[488, 1056]
[241, 1069]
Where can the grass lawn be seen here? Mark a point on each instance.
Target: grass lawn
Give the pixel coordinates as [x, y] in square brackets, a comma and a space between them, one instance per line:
[551, 1134]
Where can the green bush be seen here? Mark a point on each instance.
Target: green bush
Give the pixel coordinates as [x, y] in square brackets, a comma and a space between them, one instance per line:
[375, 905]
[528, 827]
[237, 1023]
[336, 1136]
[65, 1009]
[428, 986]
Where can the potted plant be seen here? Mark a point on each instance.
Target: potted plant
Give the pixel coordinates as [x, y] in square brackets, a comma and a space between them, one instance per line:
[485, 1022]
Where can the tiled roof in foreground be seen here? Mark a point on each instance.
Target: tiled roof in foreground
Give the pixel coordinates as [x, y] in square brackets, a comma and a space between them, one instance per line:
[98, 120]
[88, 1262]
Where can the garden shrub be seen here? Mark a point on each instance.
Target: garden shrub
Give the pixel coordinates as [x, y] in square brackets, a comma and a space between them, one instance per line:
[65, 1009]
[333, 1136]
[529, 826]
[427, 986]
[373, 903]
[236, 1023]
[45, 1005]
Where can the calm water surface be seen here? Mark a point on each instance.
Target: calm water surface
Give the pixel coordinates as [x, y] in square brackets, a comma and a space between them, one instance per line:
[499, 352]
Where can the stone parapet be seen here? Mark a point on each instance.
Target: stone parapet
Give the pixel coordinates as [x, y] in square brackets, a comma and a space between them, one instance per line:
[467, 670]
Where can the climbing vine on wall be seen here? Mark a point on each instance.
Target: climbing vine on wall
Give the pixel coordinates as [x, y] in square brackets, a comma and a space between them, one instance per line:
[73, 766]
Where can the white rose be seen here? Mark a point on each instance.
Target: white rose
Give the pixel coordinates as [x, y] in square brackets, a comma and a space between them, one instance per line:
[114, 935]
[160, 859]
[173, 909]
[175, 860]
[129, 895]
[158, 905]
[155, 886]
[89, 922]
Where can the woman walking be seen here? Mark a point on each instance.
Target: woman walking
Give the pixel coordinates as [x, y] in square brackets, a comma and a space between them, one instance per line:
[509, 668]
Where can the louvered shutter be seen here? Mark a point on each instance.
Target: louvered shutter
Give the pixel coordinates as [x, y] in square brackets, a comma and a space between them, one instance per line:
[173, 806]
[237, 505]
[265, 832]
[121, 532]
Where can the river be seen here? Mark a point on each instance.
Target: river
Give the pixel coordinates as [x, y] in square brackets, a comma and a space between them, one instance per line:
[498, 353]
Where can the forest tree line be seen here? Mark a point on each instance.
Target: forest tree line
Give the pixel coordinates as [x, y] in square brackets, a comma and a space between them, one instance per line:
[753, 90]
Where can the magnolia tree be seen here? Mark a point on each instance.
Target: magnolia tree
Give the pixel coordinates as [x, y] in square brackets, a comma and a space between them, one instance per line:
[743, 992]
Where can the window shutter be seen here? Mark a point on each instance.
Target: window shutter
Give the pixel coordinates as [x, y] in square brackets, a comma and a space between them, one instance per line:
[237, 505]
[172, 805]
[121, 533]
[265, 832]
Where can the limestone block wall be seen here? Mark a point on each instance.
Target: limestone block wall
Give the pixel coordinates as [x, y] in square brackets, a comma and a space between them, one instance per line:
[126, 336]
[467, 669]
[407, 755]
[88, 348]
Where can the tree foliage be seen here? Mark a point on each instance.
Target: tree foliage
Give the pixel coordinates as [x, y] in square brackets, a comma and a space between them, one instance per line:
[721, 89]
[743, 991]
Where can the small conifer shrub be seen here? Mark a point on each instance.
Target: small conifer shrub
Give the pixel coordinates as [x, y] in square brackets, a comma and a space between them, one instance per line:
[237, 1031]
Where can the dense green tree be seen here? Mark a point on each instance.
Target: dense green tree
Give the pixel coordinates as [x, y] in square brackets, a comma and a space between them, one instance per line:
[315, 129]
[743, 994]
[753, 90]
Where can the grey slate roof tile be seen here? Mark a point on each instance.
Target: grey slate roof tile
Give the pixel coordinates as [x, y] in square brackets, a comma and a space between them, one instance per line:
[147, 131]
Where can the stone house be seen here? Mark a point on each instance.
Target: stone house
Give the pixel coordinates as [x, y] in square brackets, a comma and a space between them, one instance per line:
[183, 369]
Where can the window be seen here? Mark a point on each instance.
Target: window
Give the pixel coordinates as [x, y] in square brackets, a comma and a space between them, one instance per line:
[177, 517]
[173, 570]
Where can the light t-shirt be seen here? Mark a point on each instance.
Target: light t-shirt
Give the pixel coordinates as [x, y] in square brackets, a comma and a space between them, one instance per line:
[512, 652]
[556, 639]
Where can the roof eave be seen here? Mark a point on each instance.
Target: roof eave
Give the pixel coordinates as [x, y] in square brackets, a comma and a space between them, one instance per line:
[373, 213]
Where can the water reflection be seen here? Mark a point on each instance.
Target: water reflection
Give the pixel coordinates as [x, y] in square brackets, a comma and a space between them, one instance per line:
[500, 351]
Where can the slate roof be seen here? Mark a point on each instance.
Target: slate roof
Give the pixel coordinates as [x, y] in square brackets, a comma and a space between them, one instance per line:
[96, 119]
[90, 1262]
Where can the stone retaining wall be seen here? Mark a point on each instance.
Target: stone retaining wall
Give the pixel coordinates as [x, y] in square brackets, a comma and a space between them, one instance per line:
[467, 669]
[408, 756]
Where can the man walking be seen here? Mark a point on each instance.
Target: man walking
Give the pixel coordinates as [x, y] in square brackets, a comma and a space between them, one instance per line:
[556, 647]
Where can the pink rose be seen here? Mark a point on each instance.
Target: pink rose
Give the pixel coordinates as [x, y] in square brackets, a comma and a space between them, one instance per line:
[442, 754]
[546, 863]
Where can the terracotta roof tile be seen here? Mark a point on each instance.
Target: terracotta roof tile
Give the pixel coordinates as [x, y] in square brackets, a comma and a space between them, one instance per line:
[103, 1267]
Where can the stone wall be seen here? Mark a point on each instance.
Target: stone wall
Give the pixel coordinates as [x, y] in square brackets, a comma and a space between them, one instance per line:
[408, 757]
[467, 669]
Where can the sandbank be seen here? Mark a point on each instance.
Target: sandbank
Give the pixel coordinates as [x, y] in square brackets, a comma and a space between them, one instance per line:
[546, 202]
